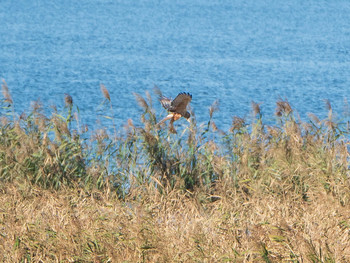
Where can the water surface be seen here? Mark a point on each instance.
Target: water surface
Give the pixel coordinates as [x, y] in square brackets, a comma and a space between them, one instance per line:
[233, 51]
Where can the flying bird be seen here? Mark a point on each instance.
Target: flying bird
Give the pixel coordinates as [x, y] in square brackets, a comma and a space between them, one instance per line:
[177, 108]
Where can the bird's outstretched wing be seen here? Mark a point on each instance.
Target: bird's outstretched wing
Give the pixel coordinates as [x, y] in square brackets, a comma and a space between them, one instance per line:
[180, 103]
[166, 102]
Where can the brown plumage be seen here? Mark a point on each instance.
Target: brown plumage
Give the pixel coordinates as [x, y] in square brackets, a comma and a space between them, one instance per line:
[177, 108]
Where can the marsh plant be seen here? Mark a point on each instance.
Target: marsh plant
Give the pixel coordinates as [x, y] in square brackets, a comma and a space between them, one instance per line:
[256, 192]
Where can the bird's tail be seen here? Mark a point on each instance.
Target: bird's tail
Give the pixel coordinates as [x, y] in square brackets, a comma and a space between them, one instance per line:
[165, 119]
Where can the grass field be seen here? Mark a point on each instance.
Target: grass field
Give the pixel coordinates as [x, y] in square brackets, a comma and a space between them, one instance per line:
[254, 193]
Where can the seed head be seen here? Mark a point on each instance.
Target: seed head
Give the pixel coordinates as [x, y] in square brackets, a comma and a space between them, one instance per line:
[237, 123]
[6, 92]
[105, 92]
[130, 123]
[213, 108]
[68, 100]
[328, 104]
[283, 107]
[36, 105]
[314, 118]
[256, 108]
[157, 91]
[141, 101]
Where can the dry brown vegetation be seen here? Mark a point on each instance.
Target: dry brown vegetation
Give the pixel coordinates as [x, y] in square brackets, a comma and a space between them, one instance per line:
[255, 193]
[73, 226]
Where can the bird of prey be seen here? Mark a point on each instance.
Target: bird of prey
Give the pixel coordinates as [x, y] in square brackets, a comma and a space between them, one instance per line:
[177, 108]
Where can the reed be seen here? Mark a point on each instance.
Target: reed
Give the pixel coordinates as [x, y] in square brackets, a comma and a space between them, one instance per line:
[254, 193]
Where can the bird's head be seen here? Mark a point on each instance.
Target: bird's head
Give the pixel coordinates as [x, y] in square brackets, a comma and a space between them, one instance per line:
[187, 116]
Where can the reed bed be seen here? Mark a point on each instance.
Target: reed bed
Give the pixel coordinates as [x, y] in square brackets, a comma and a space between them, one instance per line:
[254, 193]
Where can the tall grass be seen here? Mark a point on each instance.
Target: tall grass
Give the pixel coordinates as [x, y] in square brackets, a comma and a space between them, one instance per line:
[256, 192]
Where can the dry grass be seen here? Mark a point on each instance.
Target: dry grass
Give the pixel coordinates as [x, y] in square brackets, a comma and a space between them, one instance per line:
[254, 193]
[69, 225]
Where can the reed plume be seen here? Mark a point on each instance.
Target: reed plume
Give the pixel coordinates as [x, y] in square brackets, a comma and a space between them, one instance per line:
[237, 123]
[283, 108]
[213, 108]
[157, 91]
[256, 108]
[314, 118]
[141, 101]
[105, 92]
[68, 100]
[6, 92]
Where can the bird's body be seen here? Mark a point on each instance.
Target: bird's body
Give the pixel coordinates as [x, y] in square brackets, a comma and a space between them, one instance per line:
[177, 108]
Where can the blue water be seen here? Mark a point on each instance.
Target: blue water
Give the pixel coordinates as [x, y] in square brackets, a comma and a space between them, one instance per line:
[231, 50]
